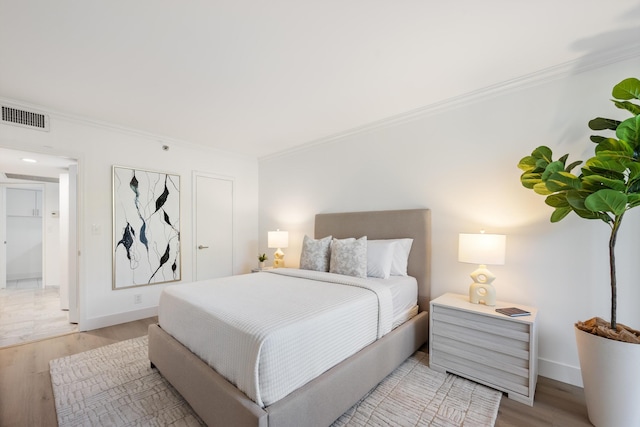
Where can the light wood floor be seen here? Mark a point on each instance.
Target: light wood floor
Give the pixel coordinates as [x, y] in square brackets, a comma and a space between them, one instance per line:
[26, 396]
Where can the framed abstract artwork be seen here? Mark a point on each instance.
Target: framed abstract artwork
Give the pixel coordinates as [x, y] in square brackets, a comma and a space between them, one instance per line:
[146, 227]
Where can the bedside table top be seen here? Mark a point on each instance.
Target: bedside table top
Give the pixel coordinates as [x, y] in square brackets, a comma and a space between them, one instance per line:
[462, 302]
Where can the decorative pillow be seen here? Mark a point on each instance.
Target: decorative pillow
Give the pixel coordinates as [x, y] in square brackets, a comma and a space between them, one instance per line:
[349, 257]
[379, 258]
[315, 254]
[400, 255]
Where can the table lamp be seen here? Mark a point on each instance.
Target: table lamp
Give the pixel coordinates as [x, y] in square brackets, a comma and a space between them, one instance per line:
[278, 239]
[482, 249]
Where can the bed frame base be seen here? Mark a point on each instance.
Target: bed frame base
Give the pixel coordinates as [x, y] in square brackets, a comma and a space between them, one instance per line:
[318, 403]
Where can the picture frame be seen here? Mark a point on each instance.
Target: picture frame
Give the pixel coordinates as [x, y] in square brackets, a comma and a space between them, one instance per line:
[146, 227]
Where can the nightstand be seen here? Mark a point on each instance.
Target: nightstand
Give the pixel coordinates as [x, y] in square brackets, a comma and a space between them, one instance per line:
[257, 270]
[475, 342]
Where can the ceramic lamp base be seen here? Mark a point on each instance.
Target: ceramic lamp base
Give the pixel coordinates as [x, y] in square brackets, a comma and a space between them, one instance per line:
[278, 259]
[482, 292]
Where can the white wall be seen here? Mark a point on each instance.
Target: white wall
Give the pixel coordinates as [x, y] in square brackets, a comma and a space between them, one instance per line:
[98, 146]
[462, 164]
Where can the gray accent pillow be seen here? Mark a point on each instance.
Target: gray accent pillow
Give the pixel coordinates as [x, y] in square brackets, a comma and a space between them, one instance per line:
[349, 257]
[315, 253]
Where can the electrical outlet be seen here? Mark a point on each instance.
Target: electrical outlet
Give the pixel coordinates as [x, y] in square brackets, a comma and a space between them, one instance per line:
[137, 299]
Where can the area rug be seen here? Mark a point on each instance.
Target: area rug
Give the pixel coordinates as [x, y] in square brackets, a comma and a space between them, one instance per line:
[115, 386]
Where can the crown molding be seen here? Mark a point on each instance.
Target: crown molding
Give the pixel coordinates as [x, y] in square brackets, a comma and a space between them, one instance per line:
[566, 69]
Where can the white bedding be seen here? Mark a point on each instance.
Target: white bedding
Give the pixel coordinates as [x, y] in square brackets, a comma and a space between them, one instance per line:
[270, 333]
[404, 294]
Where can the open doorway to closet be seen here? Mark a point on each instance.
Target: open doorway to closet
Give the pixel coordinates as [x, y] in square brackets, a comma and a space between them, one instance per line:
[38, 272]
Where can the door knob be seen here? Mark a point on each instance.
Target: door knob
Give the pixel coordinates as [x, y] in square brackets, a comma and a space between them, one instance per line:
[202, 247]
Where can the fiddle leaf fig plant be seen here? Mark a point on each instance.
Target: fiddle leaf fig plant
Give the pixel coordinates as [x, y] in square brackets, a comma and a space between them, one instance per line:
[605, 187]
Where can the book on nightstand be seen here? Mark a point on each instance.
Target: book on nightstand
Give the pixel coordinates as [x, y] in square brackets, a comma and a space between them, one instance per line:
[513, 311]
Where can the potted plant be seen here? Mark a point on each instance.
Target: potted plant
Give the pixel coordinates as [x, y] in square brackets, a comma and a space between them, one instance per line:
[607, 187]
[262, 258]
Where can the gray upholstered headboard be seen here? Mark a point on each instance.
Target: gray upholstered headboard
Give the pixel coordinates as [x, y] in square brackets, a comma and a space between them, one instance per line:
[396, 224]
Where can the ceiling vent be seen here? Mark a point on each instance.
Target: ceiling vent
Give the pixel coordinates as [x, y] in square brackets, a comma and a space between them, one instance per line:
[24, 118]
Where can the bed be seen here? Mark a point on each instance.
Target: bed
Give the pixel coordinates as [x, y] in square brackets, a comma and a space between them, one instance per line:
[323, 399]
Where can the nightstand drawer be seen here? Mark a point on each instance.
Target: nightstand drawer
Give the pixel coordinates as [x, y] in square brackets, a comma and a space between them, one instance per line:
[488, 375]
[475, 342]
[504, 327]
[496, 369]
[502, 336]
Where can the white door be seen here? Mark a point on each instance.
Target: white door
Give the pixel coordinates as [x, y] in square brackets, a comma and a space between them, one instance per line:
[69, 243]
[73, 244]
[213, 231]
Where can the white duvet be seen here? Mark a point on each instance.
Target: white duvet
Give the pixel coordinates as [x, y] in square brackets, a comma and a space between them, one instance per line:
[270, 333]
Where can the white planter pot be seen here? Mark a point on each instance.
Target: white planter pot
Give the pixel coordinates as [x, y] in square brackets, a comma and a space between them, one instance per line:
[611, 376]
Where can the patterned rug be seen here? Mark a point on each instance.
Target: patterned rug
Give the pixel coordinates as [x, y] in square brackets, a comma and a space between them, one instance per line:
[115, 386]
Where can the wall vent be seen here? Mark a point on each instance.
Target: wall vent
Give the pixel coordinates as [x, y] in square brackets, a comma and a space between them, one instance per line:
[24, 118]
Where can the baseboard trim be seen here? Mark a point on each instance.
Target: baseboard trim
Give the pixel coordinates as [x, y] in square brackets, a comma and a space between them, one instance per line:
[560, 372]
[118, 318]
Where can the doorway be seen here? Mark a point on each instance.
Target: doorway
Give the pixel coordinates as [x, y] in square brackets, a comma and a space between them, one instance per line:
[32, 259]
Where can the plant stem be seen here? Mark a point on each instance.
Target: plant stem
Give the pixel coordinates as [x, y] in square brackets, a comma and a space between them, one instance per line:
[612, 268]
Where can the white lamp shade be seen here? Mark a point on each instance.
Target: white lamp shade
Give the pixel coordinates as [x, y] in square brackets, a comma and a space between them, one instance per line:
[483, 249]
[278, 239]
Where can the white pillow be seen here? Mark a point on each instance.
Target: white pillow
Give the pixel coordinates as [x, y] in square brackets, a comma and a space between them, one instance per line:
[379, 258]
[315, 254]
[349, 257]
[400, 255]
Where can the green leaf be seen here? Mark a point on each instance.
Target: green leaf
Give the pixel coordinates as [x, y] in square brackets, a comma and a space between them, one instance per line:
[596, 138]
[527, 163]
[629, 106]
[559, 213]
[633, 200]
[600, 123]
[601, 181]
[543, 152]
[634, 169]
[552, 168]
[557, 200]
[573, 165]
[627, 89]
[614, 146]
[629, 131]
[528, 179]
[633, 187]
[587, 214]
[562, 181]
[601, 164]
[541, 188]
[576, 199]
[607, 201]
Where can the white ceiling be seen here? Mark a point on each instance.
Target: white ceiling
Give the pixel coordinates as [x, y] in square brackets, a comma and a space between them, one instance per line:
[259, 77]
